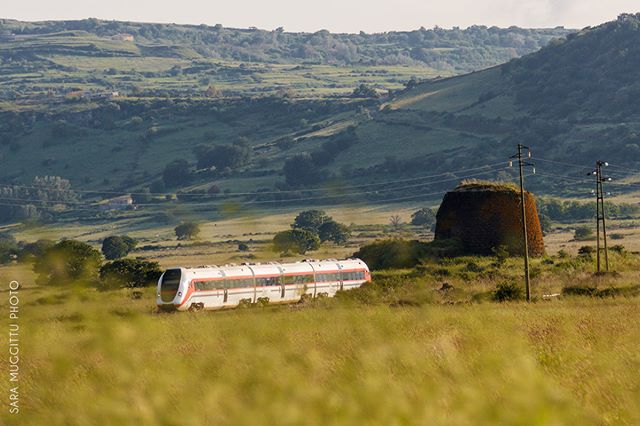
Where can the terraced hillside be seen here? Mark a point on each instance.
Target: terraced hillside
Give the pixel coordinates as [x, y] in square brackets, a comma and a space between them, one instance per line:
[57, 58]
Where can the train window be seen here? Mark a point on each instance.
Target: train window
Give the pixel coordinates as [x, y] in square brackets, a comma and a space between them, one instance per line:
[303, 279]
[240, 283]
[288, 279]
[267, 281]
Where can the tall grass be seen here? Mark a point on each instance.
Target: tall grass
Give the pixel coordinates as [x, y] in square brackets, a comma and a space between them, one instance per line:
[108, 359]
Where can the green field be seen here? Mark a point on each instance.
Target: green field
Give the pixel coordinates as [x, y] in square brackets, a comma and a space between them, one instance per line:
[398, 351]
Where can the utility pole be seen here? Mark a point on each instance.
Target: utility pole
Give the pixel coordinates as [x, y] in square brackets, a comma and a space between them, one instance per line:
[600, 215]
[521, 164]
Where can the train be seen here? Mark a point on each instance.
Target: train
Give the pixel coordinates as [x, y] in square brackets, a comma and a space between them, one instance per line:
[220, 287]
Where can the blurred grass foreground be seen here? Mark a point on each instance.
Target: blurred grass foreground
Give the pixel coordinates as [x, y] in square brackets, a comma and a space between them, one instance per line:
[107, 358]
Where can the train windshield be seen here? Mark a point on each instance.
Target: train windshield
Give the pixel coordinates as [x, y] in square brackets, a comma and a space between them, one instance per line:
[170, 284]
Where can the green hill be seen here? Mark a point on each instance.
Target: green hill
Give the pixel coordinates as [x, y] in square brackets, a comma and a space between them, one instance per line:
[569, 101]
[56, 58]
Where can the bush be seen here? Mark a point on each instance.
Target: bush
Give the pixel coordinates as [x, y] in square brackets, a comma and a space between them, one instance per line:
[115, 247]
[243, 247]
[586, 251]
[583, 233]
[473, 267]
[579, 291]
[506, 292]
[68, 262]
[187, 231]
[423, 217]
[618, 248]
[129, 273]
[8, 248]
[393, 253]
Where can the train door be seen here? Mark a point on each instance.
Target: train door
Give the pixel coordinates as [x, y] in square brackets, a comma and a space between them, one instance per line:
[226, 283]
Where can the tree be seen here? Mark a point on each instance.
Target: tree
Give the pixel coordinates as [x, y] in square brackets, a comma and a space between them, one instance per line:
[301, 170]
[423, 217]
[310, 220]
[35, 250]
[187, 231]
[395, 221]
[222, 156]
[296, 241]
[115, 247]
[334, 232]
[176, 173]
[68, 262]
[129, 273]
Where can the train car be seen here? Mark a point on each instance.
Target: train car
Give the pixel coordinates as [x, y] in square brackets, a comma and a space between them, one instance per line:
[220, 287]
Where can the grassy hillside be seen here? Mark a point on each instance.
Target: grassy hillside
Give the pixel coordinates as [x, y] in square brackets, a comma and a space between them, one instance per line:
[45, 61]
[413, 143]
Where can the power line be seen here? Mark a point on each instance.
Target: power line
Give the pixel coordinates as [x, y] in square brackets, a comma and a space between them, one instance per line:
[233, 194]
[325, 197]
[85, 207]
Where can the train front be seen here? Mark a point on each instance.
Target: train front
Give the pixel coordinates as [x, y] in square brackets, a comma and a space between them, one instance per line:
[173, 290]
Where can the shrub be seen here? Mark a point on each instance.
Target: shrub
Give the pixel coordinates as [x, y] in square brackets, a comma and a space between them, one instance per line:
[115, 247]
[579, 291]
[68, 262]
[473, 267]
[423, 217]
[616, 236]
[506, 292]
[129, 273]
[8, 248]
[583, 233]
[243, 247]
[618, 248]
[393, 253]
[187, 231]
[586, 251]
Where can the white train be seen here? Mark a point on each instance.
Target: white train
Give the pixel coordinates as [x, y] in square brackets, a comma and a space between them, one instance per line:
[218, 287]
